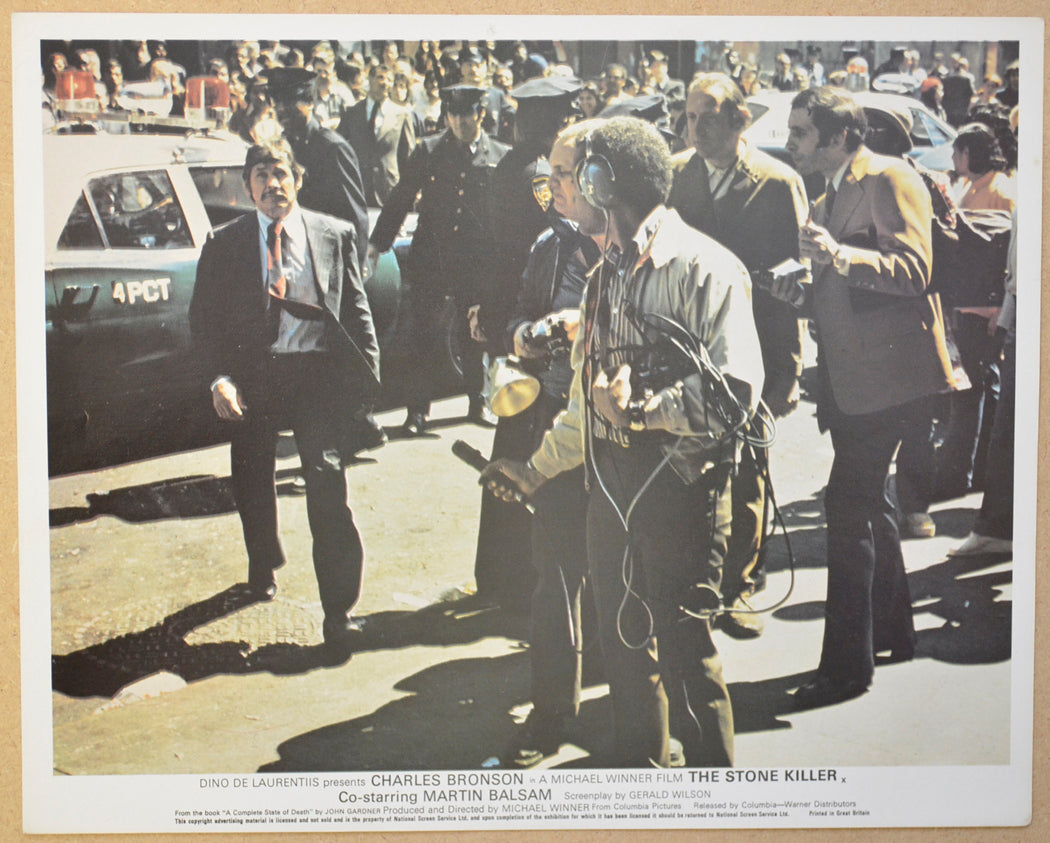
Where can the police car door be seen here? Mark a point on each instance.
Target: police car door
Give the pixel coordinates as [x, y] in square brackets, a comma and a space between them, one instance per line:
[119, 279]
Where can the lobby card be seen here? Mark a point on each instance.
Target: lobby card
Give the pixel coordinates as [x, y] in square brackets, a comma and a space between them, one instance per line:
[133, 752]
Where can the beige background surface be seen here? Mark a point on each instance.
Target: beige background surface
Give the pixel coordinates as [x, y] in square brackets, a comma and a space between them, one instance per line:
[10, 709]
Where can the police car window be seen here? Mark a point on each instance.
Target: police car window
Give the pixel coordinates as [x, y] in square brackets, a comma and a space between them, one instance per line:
[139, 211]
[80, 231]
[222, 191]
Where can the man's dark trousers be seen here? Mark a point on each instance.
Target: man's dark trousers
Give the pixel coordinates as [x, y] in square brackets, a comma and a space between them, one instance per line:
[297, 391]
[868, 605]
[667, 673]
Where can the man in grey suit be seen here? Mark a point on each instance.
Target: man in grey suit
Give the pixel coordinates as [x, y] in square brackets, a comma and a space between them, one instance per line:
[881, 356]
[382, 134]
[286, 340]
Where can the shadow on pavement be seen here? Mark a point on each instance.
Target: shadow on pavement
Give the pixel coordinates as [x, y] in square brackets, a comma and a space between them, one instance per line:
[104, 669]
[182, 497]
[976, 624]
[807, 540]
[976, 628]
[758, 706]
[454, 717]
[452, 622]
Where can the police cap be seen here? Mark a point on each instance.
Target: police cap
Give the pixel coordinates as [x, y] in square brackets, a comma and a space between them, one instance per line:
[649, 107]
[461, 98]
[290, 83]
[547, 90]
[547, 95]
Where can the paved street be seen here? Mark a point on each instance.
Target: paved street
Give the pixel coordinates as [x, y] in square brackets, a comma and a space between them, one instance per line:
[153, 673]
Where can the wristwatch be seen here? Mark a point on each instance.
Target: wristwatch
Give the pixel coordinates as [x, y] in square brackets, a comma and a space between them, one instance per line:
[636, 415]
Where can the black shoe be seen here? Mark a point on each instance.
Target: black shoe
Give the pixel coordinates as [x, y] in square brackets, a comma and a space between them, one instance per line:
[247, 593]
[539, 737]
[342, 636]
[243, 594]
[416, 424]
[740, 620]
[369, 434]
[821, 691]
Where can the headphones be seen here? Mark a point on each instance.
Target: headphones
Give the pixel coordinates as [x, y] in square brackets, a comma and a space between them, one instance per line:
[595, 178]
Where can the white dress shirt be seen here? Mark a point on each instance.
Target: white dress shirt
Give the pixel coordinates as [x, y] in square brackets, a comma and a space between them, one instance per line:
[294, 335]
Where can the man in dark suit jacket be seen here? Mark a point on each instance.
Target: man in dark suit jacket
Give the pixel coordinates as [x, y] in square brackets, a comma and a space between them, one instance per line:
[753, 205]
[881, 356]
[453, 252]
[332, 183]
[382, 134]
[331, 172]
[286, 340]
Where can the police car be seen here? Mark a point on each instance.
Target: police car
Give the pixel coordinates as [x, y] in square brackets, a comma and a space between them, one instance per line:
[126, 216]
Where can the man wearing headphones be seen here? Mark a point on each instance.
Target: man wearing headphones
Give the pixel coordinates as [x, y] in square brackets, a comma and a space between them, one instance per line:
[666, 369]
[549, 294]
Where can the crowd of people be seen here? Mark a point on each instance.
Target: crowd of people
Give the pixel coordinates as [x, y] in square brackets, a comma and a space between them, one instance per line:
[631, 251]
[140, 75]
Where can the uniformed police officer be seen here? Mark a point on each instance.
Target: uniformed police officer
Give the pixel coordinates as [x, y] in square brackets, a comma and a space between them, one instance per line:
[332, 184]
[545, 106]
[453, 252]
[499, 110]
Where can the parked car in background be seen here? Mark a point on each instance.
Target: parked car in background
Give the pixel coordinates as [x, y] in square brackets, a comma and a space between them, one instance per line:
[928, 139]
[125, 217]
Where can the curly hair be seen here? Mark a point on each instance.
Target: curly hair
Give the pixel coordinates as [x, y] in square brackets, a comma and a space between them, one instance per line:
[639, 157]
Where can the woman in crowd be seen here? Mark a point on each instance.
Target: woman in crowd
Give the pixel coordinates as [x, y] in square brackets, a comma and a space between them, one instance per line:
[931, 94]
[979, 164]
[590, 100]
[427, 105]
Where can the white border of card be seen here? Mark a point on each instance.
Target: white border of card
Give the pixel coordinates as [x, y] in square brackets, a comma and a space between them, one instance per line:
[757, 797]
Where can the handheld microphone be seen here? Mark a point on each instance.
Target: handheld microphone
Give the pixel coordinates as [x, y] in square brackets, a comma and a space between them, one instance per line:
[476, 460]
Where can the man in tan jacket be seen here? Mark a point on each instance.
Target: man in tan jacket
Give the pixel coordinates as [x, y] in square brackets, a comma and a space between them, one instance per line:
[881, 356]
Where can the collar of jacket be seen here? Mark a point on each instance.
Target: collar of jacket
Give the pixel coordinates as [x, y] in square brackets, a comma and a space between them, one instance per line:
[658, 238]
[859, 166]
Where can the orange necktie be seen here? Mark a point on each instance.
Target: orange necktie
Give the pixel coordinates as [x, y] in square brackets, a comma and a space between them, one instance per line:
[275, 267]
